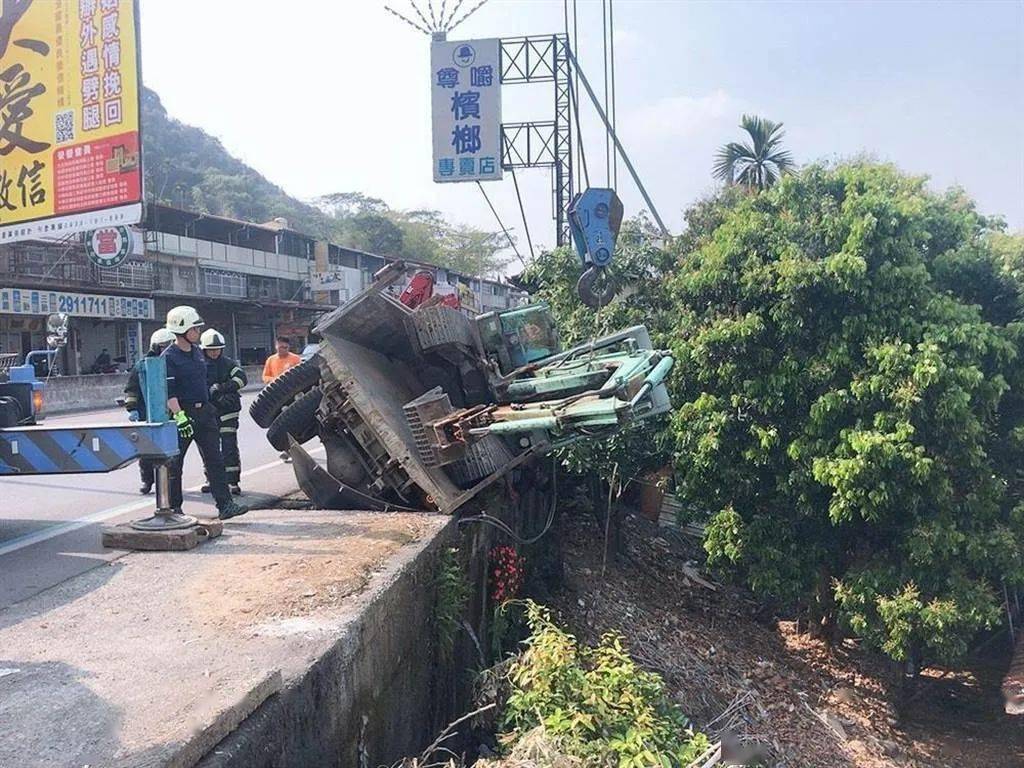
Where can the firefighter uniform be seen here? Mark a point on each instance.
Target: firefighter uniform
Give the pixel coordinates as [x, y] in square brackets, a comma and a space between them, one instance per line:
[225, 378]
[197, 420]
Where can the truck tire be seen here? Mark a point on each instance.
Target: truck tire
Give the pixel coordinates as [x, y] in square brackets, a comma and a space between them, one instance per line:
[297, 420]
[281, 391]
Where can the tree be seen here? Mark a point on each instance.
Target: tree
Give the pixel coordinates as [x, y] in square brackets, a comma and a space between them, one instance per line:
[847, 406]
[758, 164]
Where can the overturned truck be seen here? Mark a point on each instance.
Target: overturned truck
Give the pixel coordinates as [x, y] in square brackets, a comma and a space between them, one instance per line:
[424, 407]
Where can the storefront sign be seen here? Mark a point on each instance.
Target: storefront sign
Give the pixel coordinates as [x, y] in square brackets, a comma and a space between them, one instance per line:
[69, 146]
[22, 301]
[465, 85]
[108, 247]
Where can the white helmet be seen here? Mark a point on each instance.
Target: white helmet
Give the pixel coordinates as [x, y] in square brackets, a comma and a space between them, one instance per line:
[160, 337]
[181, 319]
[211, 339]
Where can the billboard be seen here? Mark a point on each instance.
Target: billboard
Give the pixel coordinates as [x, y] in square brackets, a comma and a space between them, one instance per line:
[465, 87]
[70, 156]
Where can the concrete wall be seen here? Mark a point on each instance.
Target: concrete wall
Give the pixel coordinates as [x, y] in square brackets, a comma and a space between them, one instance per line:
[382, 690]
[70, 394]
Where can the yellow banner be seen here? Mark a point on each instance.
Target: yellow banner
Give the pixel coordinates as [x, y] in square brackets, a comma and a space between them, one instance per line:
[70, 157]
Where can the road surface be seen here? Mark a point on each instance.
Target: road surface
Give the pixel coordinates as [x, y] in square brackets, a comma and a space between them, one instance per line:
[50, 524]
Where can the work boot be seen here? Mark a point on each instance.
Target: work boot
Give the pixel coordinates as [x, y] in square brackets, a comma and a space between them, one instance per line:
[146, 488]
[205, 488]
[231, 509]
[235, 489]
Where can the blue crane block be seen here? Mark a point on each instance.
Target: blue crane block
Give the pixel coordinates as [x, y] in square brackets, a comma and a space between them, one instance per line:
[595, 217]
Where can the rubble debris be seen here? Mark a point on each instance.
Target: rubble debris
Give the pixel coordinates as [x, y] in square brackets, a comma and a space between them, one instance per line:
[757, 682]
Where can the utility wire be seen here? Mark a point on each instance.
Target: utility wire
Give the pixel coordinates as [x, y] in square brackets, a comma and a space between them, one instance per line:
[522, 212]
[500, 224]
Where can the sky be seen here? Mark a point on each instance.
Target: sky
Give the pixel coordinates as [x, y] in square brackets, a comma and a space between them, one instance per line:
[324, 96]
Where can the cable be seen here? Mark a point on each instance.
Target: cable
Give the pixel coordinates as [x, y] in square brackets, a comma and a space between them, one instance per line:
[574, 96]
[423, 18]
[575, 87]
[611, 40]
[504, 528]
[522, 212]
[503, 229]
[455, 10]
[467, 14]
[607, 135]
[411, 23]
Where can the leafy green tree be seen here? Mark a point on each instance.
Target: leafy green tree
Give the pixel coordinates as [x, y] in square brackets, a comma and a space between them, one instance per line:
[756, 164]
[845, 412]
[640, 268]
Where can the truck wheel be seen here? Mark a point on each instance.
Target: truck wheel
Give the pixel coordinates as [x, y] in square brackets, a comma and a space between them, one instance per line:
[277, 394]
[297, 420]
[10, 412]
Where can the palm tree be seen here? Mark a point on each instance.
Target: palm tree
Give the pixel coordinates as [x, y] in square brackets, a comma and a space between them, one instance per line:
[760, 163]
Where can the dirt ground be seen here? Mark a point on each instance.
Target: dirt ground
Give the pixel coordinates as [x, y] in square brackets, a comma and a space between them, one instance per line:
[744, 676]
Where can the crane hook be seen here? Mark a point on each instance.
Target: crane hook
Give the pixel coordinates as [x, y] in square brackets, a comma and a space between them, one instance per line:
[593, 294]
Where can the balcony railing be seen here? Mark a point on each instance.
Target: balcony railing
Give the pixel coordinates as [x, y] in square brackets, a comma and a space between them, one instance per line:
[136, 276]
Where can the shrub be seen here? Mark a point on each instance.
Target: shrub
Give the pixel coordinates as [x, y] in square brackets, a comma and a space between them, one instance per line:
[596, 703]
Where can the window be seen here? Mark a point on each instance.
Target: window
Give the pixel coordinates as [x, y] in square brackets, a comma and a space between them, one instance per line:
[224, 283]
[262, 287]
[164, 277]
[187, 276]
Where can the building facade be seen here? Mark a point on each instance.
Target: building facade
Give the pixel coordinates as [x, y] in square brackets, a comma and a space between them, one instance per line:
[251, 281]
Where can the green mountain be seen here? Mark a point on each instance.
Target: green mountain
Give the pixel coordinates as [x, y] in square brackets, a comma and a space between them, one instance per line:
[187, 168]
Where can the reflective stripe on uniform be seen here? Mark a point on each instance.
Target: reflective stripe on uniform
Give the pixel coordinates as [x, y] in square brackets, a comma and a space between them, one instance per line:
[230, 416]
[225, 430]
[232, 469]
[238, 381]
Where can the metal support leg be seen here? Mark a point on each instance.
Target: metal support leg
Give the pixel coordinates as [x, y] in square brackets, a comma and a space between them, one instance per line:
[165, 518]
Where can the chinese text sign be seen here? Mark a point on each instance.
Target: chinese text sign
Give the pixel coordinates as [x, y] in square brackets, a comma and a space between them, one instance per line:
[69, 117]
[465, 85]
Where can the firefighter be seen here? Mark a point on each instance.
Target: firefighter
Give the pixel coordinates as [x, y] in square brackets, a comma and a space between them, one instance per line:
[225, 379]
[135, 403]
[189, 402]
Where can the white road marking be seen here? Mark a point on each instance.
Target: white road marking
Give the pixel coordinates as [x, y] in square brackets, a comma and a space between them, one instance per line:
[107, 514]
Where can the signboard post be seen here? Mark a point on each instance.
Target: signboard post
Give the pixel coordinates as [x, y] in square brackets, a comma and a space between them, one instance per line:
[465, 85]
[70, 157]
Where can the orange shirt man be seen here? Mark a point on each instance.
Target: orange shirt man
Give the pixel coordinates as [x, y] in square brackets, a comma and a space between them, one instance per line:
[279, 363]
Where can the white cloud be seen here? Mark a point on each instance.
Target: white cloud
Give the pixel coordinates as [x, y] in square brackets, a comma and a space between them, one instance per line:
[683, 116]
